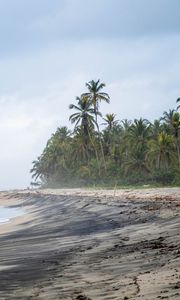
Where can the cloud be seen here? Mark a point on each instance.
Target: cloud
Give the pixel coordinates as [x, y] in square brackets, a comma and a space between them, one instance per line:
[56, 48]
[118, 18]
[30, 25]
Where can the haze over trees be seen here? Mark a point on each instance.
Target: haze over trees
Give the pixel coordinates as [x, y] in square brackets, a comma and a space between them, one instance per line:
[122, 152]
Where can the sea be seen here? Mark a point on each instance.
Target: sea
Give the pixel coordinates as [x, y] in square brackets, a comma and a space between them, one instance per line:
[6, 214]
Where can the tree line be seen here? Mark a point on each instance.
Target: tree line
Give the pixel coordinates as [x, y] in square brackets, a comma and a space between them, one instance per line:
[123, 152]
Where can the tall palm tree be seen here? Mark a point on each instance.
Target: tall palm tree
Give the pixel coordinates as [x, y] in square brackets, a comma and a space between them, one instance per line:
[96, 95]
[84, 115]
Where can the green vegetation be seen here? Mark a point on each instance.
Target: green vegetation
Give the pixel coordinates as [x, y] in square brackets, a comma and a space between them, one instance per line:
[122, 153]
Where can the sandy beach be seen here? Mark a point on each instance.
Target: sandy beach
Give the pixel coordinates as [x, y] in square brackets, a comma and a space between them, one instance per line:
[91, 245]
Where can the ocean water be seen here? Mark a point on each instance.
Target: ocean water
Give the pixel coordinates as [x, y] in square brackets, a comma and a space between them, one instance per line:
[6, 214]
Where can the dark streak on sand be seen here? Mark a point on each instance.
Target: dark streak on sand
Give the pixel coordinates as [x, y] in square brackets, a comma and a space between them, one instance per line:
[76, 247]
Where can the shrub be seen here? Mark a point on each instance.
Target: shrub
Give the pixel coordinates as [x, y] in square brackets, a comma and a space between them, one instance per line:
[164, 176]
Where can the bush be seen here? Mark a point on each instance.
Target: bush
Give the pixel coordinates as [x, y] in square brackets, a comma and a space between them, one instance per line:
[164, 176]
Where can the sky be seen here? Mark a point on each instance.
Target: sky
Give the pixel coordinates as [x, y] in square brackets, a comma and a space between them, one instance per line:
[50, 49]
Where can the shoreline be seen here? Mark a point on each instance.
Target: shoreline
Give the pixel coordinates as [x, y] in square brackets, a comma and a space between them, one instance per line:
[104, 191]
[11, 197]
[103, 244]
[164, 194]
[7, 200]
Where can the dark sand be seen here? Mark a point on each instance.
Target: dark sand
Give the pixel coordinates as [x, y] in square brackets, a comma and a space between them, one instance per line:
[103, 245]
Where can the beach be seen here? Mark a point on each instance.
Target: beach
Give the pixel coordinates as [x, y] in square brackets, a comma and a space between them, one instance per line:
[91, 244]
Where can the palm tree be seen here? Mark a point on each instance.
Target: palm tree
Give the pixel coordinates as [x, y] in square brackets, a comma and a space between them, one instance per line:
[54, 159]
[161, 151]
[95, 95]
[172, 118]
[168, 116]
[43, 166]
[63, 133]
[125, 141]
[80, 152]
[137, 135]
[110, 121]
[126, 124]
[84, 115]
[140, 131]
[176, 126]
[37, 170]
[176, 123]
[156, 128]
[137, 163]
[109, 133]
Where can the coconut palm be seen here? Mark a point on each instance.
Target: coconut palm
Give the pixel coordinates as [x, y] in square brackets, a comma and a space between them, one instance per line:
[95, 94]
[37, 170]
[125, 140]
[110, 121]
[84, 115]
[126, 124]
[168, 116]
[156, 128]
[43, 167]
[139, 131]
[110, 134]
[79, 151]
[176, 127]
[136, 138]
[161, 151]
[172, 118]
[63, 133]
[54, 158]
[137, 162]
[175, 122]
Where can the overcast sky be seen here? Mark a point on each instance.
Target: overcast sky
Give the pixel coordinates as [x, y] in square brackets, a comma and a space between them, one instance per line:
[50, 48]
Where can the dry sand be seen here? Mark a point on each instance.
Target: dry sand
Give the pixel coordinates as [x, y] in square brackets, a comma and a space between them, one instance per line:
[85, 244]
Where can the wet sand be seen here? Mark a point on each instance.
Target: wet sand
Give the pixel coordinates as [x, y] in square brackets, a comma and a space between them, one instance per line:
[98, 245]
